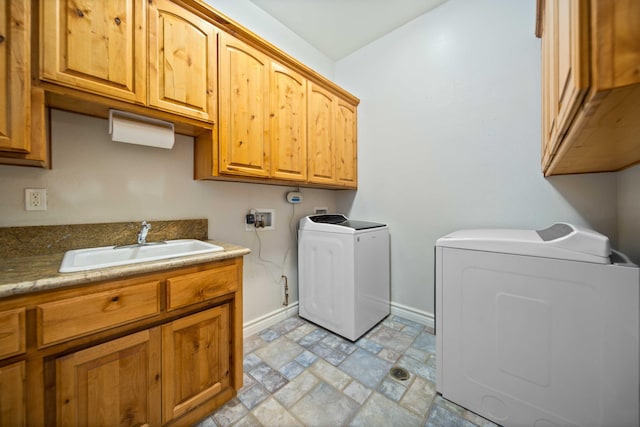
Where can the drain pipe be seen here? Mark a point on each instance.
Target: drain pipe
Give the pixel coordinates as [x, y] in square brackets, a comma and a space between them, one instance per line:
[286, 290]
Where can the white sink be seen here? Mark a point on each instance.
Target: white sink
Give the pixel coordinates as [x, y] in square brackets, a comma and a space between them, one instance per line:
[110, 256]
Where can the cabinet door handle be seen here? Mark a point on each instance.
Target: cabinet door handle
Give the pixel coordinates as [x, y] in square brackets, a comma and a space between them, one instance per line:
[1, 38]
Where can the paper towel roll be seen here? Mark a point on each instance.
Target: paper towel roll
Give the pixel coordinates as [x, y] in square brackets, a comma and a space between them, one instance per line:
[135, 129]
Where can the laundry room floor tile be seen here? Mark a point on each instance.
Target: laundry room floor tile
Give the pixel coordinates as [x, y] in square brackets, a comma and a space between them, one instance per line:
[299, 374]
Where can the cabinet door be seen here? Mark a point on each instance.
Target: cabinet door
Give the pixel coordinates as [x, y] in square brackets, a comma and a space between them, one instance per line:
[244, 105]
[288, 129]
[346, 144]
[549, 84]
[182, 61]
[565, 70]
[12, 395]
[15, 97]
[321, 136]
[95, 45]
[195, 363]
[112, 384]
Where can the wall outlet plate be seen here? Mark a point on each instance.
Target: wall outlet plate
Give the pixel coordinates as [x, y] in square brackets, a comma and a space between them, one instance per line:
[35, 199]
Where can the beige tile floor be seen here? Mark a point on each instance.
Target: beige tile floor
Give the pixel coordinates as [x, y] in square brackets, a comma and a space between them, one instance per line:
[299, 374]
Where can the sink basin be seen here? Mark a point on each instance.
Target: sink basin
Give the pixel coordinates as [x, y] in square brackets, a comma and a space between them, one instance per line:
[110, 256]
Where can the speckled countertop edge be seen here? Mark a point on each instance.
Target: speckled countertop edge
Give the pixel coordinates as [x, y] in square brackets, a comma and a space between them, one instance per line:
[19, 276]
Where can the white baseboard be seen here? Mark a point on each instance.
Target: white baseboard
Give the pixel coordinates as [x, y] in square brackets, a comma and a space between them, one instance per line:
[413, 314]
[257, 325]
[269, 319]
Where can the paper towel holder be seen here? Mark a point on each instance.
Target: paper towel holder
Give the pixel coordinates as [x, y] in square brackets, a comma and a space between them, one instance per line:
[137, 129]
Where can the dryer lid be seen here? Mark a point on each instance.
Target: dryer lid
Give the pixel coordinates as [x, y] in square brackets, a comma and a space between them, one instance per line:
[560, 241]
[339, 220]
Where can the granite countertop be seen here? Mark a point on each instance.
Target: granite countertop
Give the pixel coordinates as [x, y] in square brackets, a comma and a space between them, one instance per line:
[36, 273]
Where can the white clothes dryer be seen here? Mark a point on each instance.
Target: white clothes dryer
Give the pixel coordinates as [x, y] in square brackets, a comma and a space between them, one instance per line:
[343, 273]
[538, 328]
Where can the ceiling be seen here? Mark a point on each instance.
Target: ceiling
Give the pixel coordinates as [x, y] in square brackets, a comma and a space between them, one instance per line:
[340, 27]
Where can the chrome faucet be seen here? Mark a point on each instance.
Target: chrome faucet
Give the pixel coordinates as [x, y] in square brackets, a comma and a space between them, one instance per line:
[142, 235]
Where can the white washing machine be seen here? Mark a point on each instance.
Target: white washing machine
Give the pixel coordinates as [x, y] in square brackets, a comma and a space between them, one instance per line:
[538, 328]
[343, 273]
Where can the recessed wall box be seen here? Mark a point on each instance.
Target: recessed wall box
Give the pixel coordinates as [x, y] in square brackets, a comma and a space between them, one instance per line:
[263, 219]
[294, 197]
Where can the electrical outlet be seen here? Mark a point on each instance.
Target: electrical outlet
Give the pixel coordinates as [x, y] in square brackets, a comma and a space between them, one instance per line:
[35, 199]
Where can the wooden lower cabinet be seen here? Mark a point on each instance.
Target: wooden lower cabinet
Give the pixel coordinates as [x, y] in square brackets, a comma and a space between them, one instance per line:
[195, 360]
[154, 349]
[151, 377]
[12, 395]
[112, 384]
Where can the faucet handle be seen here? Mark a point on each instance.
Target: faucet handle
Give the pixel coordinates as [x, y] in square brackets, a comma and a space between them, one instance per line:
[142, 235]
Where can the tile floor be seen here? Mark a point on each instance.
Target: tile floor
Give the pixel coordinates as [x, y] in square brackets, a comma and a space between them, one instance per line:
[299, 374]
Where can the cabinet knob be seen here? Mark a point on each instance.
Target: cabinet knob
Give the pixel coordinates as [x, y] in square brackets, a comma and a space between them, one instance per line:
[115, 299]
[1, 38]
[117, 21]
[79, 13]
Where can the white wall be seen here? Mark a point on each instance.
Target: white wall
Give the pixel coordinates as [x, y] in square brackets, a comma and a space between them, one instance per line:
[96, 180]
[449, 131]
[449, 137]
[259, 22]
[629, 212]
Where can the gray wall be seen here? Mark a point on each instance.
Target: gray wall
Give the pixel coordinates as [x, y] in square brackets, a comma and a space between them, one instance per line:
[96, 180]
[449, 137]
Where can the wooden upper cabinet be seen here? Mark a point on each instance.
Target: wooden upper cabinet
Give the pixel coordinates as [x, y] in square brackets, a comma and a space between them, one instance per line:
[321, 136]
[346, 144]
[590, 85]
[15, 78]
[182, 61]
[288, 128]
[96, 45]
[243, 109]
[565, 68]
[332, 139]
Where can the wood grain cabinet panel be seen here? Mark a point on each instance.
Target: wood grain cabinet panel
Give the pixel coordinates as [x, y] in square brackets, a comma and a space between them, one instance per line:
[288, 126]
[565, 69]
[15, 76]
[346, 157]
[321, 135]
[73, 317]
[244, 109]
[12, 332]
[95, 45]
[195, 364]
[332, 139]
[112, 384]
[182, 61]
[590, 85]
[201, 286]
[13, 395]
